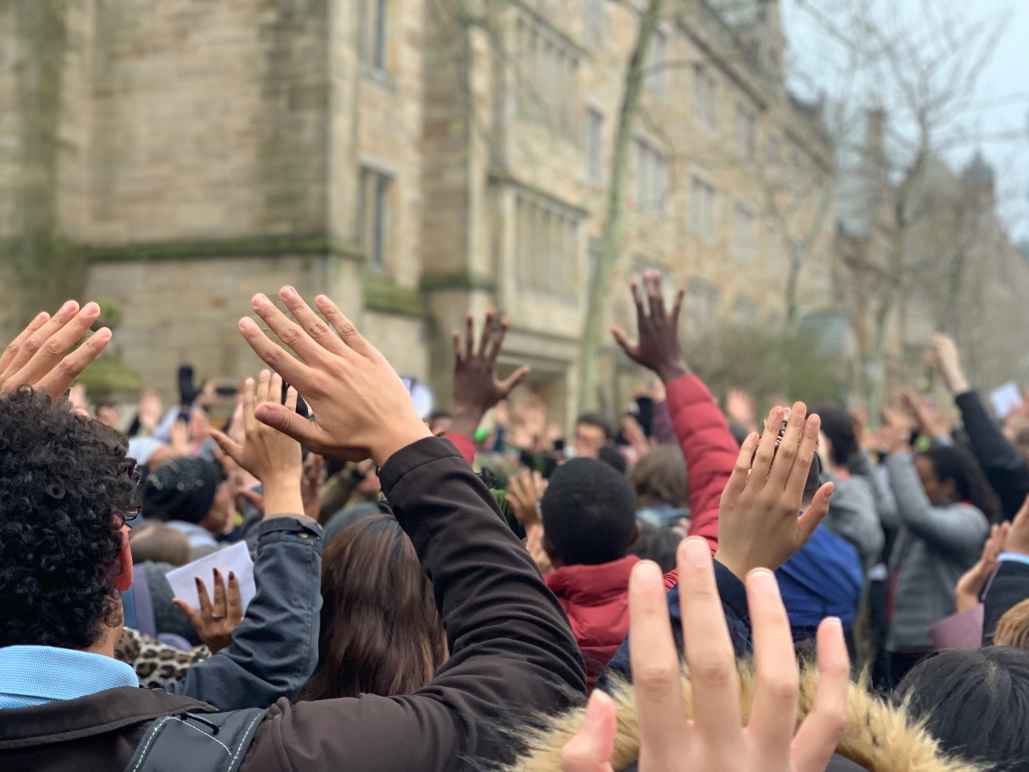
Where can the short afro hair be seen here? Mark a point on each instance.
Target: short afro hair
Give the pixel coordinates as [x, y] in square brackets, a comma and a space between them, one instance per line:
[65, 489]
[589, 513]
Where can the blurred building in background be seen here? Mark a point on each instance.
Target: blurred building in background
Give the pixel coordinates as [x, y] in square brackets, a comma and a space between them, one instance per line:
[416, 159]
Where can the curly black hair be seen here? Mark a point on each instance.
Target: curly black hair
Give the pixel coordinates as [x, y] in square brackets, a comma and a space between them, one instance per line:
[65, 489]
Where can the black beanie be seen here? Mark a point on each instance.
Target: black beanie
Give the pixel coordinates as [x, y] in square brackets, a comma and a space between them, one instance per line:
[182, 489]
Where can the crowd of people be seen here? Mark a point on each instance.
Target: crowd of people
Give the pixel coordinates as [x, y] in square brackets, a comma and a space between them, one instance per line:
[683, 587]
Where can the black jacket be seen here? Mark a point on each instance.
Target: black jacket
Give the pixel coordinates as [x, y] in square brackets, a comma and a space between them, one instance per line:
[1005, 468]
[512, 655]
[1009, 587]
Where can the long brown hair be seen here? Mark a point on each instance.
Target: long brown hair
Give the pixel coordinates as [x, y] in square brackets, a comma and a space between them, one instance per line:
[380, 630]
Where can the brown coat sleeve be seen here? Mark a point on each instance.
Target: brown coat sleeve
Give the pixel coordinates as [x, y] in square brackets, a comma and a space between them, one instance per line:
[512, 654]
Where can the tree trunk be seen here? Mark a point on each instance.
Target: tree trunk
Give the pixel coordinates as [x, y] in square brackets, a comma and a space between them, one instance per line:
[611, 239]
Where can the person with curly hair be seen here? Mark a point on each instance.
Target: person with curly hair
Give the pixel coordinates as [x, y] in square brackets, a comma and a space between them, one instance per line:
[65, 702]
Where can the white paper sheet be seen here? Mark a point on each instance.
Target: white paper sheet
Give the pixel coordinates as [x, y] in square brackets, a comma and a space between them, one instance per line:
[235, 558]
[1006, 400]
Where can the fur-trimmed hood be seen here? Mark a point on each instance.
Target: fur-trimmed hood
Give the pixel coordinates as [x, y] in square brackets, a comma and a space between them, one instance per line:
[879, 737]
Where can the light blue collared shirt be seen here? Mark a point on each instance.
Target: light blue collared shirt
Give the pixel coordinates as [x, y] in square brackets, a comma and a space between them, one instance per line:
[36, 675]
[1013, 557]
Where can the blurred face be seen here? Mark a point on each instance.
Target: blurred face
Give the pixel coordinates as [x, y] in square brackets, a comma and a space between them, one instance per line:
[939, 493]
[589, 440]
[108, 416]
[199, 425]
[223, 508]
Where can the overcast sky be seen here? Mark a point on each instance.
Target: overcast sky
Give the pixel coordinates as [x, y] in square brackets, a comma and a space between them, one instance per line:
[1002, 101]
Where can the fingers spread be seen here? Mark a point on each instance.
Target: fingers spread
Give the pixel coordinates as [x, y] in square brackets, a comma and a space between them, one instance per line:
[655, 664]
[741, 471]
[220, 603]
[235, 599]
[789, 449]
[774, 711]
[320, 332]
[203, 599]
[11, 352]
[820, 733]
[346, 331]
[807, 448]
[709, 652]
[59, 379]
[762, 465]
[275, 356]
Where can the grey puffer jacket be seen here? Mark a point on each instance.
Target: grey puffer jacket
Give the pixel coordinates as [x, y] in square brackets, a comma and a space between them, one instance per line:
[935, 546]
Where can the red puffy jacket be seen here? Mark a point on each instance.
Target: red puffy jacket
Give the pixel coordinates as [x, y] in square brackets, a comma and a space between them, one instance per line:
[709, 448]
[596, 601]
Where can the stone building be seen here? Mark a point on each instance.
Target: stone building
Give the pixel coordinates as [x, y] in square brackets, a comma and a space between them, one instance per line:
[416, 159]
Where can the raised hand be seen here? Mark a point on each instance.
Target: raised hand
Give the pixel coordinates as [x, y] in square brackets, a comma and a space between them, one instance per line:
[972, 582]
[658, 347]
[895, 432]
[38, 356]
[269, 455]
[215, 620]
[476, 386]
[758, 523]
[715, 737]
[524, 493]
[363, 409]
[945, 358]
[930, 422]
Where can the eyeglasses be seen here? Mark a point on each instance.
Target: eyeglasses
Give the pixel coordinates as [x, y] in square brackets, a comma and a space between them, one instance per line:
[128, 518]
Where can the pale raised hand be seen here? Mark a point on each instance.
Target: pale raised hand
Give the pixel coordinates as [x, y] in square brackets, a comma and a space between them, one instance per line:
[362, 408]
[716, 737]
[39, 356]
[760, 518]
[269, 455]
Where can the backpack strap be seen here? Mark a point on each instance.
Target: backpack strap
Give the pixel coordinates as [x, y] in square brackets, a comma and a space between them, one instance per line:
[209, 742]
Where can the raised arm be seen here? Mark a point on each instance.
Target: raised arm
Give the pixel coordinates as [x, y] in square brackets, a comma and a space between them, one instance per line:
[1006, 469]
[511, 650]
[275, 649]
[702, 431]
[477, 388]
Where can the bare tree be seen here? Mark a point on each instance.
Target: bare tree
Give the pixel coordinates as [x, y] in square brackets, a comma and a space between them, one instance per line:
[611, 238]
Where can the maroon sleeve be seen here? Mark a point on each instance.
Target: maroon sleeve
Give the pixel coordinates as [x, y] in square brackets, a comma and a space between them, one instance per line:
[709, 448]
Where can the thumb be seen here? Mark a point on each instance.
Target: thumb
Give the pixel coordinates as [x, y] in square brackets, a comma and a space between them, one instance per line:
[591, 748]
[231, 448]
[513, 380]
[815, 513]
[281, 418]
[623, 341]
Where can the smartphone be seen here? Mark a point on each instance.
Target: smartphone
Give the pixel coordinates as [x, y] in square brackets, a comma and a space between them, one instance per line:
[302, 408]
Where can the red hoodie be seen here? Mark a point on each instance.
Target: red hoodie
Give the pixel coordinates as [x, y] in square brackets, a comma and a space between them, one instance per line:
[596, 601]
